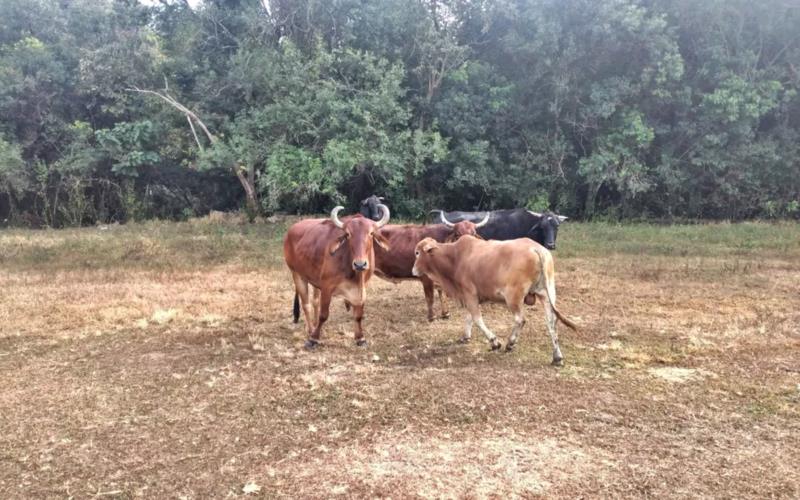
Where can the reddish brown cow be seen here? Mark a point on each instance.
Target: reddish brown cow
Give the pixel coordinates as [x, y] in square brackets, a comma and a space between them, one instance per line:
[473, 271]
[316, 253]
[396, 263]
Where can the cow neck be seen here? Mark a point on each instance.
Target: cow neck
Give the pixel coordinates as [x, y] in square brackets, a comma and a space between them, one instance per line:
[446, 267]
[362, 282]
[438, 232]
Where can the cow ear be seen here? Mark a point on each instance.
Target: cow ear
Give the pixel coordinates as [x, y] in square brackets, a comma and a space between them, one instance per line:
[429, 247]
[381, 241]
[338, 243]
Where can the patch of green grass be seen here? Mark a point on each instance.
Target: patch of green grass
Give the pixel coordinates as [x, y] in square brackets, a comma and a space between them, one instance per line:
[201, 243]
[746, 239]
[151, 245]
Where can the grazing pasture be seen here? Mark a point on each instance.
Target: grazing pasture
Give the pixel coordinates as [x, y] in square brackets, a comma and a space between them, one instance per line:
[159, 360]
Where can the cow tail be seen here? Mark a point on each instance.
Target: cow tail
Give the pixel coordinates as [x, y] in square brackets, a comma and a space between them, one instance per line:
[560, 316]
[296, 309]
[563, 318]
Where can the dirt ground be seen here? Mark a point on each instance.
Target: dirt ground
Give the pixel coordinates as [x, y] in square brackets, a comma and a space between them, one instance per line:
[160, 361]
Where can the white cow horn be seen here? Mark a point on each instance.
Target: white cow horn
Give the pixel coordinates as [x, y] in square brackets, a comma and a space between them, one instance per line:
[385, 217]
[485, 220]
[535, 213]
[335, 216]
[444, 219]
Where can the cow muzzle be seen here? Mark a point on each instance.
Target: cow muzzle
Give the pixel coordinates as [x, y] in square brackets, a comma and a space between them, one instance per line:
[360, 265]
[550, 246]
[414, 271]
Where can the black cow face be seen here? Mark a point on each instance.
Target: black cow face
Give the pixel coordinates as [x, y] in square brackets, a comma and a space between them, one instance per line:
[369, 207]
[546, 230]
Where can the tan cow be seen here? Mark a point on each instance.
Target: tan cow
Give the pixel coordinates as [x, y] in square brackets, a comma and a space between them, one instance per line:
[473, 271]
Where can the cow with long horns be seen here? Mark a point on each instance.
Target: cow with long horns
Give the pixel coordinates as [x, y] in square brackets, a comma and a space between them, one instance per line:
[396, 263]
[337, 258]
[541, 227]
[370, 207]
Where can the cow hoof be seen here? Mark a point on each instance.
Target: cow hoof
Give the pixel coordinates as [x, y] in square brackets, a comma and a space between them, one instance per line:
[510, 347]
[430, 319]
[361, 342]
[496, 345]
[463, 340]
[558, 362]
[311, 344]
[445, 315]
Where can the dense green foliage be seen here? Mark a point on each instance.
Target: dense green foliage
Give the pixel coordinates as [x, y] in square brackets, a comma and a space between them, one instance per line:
[118, 110]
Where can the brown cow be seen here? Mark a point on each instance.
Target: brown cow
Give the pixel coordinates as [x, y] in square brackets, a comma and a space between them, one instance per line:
[316, 253]
[473, 271]
[395, 264]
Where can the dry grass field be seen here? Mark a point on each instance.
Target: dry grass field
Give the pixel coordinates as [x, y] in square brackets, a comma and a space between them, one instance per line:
[159, 360]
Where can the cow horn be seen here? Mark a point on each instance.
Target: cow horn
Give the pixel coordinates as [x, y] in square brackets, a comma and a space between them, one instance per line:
[385, 217]
[335, 216]
[444, 219]
[561, 218]
[484, 221]
[535, 213]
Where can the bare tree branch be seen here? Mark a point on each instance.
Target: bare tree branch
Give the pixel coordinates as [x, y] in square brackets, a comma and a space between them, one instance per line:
[194, 133]
[180, 107]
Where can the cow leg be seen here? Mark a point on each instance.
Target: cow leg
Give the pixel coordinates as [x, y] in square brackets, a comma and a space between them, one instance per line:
[315, 300]
[443, 303]
[358, 314]
[324, 310]
[427, 286]
[301, 288]
[475, 312]
[467, 329]
[550, 318]
[519, 322]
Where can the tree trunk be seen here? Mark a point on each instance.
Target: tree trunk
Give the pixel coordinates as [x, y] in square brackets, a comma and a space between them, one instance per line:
[249, 185]
[591, 198]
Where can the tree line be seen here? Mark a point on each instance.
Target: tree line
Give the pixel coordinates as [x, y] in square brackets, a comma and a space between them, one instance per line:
[115, 110]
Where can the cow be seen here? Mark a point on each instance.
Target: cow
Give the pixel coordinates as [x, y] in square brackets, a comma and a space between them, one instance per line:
[370, 207]
[473, 271]
[395, 264]
[336, 257]
[513, 223]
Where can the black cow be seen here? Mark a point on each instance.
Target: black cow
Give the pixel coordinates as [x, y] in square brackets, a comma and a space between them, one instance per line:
[512, 224]
[370, 207]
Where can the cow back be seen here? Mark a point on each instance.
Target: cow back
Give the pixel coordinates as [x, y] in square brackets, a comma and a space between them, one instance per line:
[483, 267]
[398, 261]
